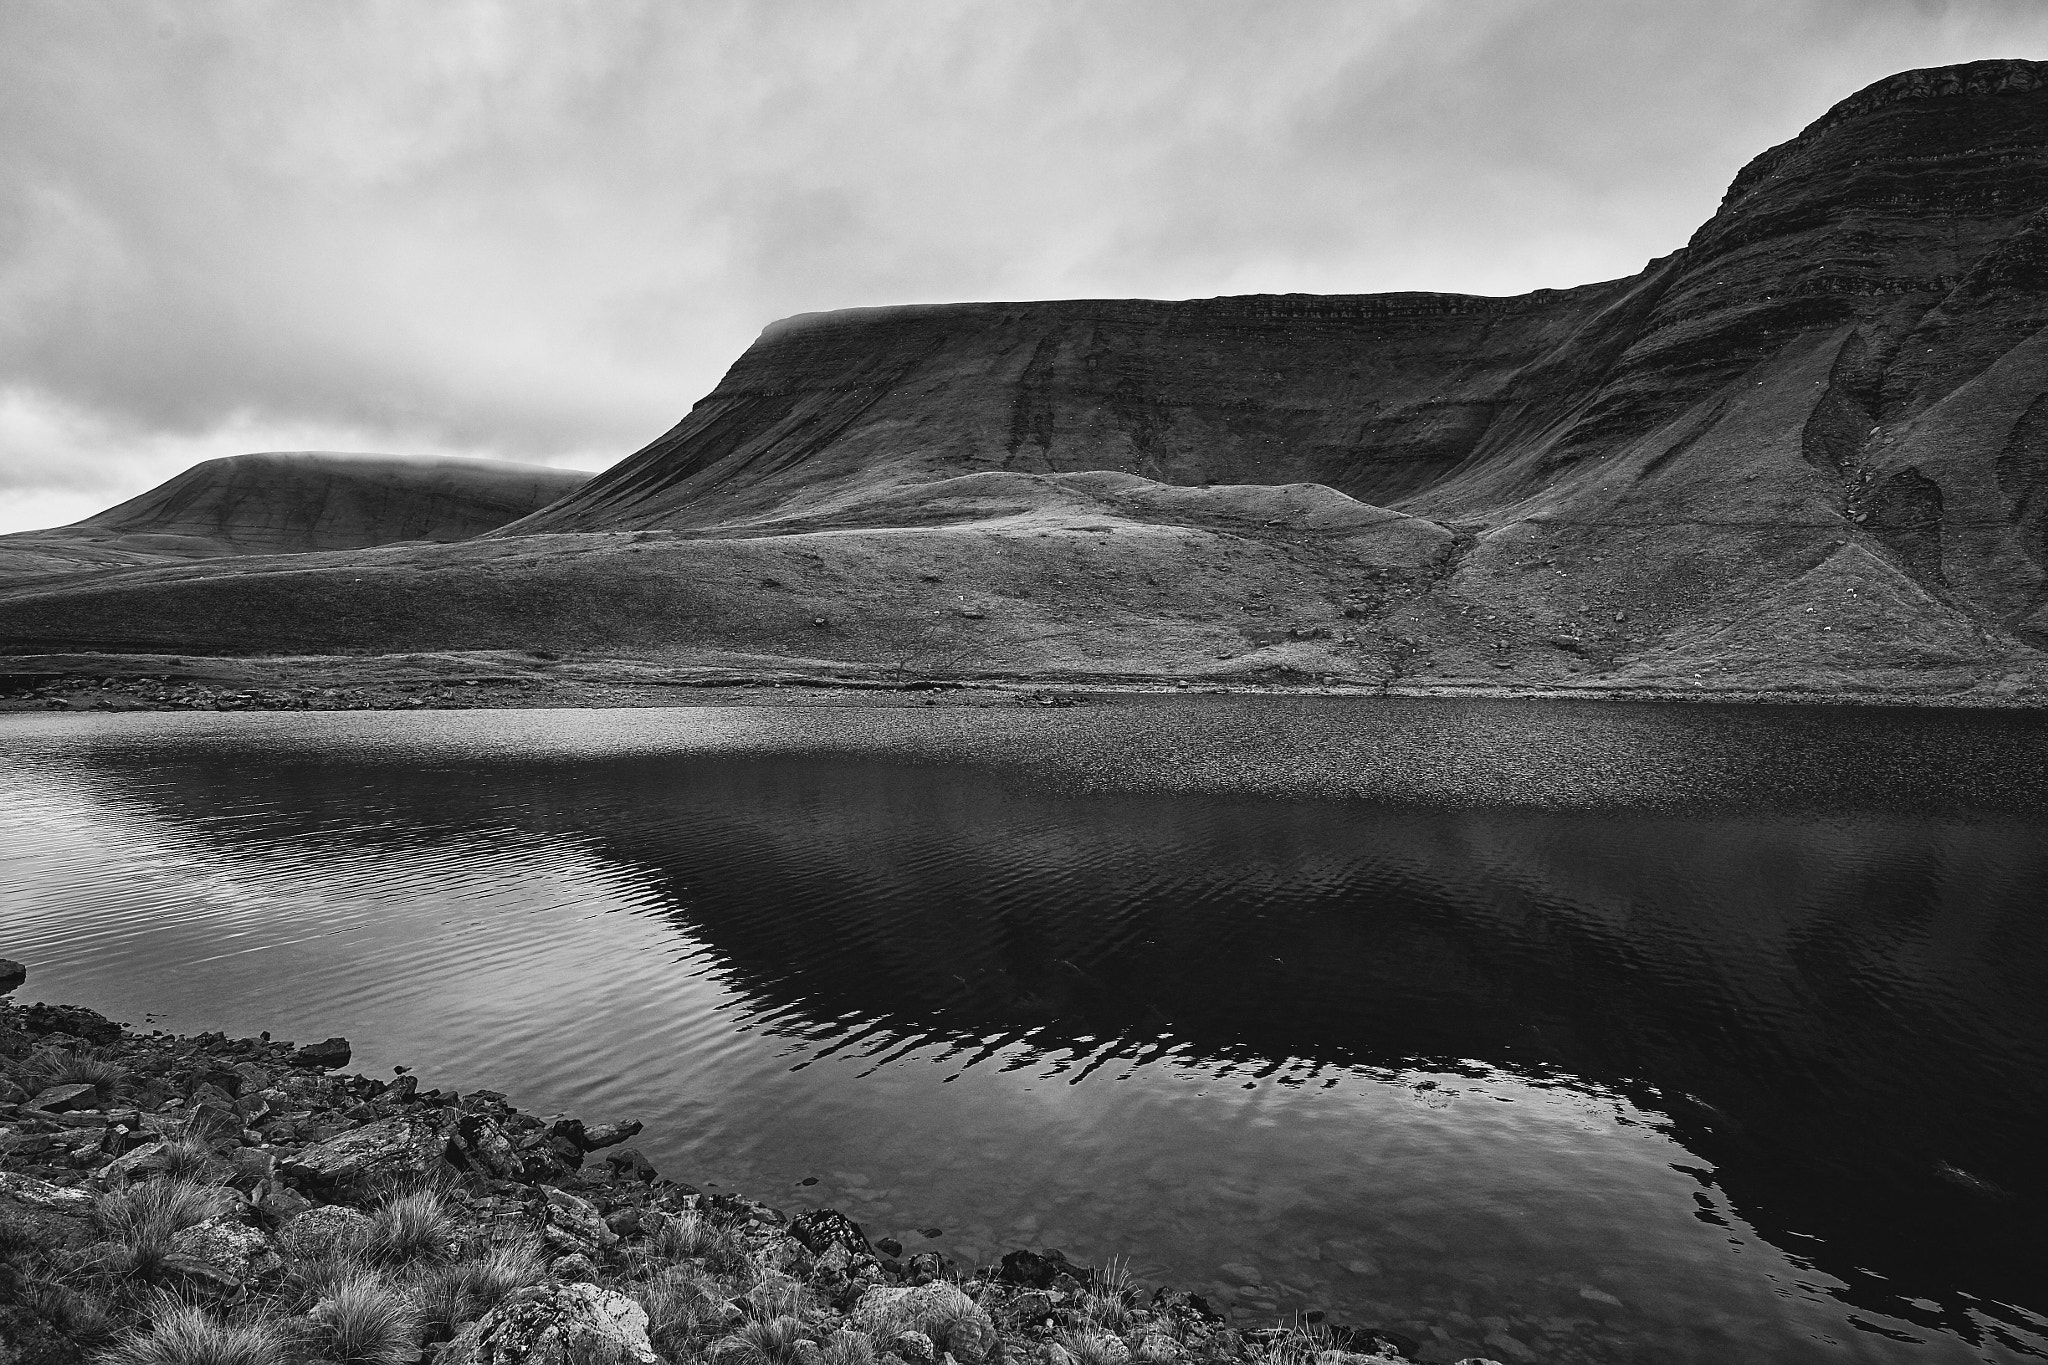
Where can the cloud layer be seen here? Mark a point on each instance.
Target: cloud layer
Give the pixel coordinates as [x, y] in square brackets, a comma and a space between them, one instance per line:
[542, 231]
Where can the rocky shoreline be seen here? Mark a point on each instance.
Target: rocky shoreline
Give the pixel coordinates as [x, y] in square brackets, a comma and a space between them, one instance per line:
[205, 1200]
[509, 680]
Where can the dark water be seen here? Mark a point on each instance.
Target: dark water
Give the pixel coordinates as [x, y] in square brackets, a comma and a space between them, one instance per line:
[1572, 1032]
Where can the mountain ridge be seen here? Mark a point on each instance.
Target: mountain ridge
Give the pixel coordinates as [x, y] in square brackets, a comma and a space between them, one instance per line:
[1844, 365]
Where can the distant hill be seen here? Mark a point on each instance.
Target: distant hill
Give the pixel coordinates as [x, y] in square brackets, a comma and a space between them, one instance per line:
[288, 502]
[1806, 451]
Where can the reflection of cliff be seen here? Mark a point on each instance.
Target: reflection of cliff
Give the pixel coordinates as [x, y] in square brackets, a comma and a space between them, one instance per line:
[1827, 1008]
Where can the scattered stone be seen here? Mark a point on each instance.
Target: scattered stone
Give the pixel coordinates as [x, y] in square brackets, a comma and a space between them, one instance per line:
[12, 974]
[889, 1246]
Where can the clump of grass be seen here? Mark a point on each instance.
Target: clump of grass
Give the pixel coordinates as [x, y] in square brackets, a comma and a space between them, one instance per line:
[451, 1294]
[82, 1316]
[1300, 1343]
[77, 1066]
[1089, 1347]
[188, 1158]
[691, 1237]
[770, 1341]
[139, 1222]
[314, 1278]
[846, 1347]
[412, 1227]
[366, 1320]
[185, 1334]
[1108, 1305]
[779, 1296]
[682, 1305]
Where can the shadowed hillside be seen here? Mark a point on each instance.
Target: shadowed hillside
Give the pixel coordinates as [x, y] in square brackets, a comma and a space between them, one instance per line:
[1809, 449]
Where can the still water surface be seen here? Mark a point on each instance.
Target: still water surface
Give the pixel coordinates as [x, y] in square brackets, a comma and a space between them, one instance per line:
[1541, 1031]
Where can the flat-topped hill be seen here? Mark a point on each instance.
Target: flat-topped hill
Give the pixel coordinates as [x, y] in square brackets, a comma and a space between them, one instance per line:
[289, 502]
[1807, 449]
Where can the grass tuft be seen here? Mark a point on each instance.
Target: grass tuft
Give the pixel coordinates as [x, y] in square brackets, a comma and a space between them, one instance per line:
[458, 1292]
[366, 1320]
[139, 1222]
[846, 1347]
[412, 1227]
[772, 1341]
[186, 1335]
[1089, 1347]
[682, 1309]
[779, 1296]
[77, 1066]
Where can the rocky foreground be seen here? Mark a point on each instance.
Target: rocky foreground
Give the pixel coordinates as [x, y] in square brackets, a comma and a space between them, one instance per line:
[204, 1200]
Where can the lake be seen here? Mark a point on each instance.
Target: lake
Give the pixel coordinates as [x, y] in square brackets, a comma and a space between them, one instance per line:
[1539, 1030]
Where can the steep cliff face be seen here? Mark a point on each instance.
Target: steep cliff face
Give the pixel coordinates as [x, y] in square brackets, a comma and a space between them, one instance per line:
[291, 502]
[1808, 448]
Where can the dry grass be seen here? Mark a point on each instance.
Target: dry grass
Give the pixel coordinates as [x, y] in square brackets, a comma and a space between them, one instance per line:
[1108, 1305]
[1089, 1347]
[457, 1292]
[366, 1320]
[139, 1222]
[189, 1158]
[691, 1237]
[846, 1348]
[412, 1227]
[770, 1341]
[683, 1309]
[185, 1334]
[779, 1296]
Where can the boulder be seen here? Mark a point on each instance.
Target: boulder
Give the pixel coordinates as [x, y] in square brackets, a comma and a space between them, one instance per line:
[12, 974]
[595, 1136]
[325, 1056]
[394, 1147]
[42, 1194]
[58, 1098]
[487, 1146]
[322, 1229]
[556, 1325]
[145, 1160]
[820, 1229]
[574, 1225]
[629, 1164]
[226, 1249]
[75, 1020]
[1039, 1271]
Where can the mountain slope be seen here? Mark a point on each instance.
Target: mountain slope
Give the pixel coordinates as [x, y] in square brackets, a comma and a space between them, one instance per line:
[291, 502]
[1838, 387]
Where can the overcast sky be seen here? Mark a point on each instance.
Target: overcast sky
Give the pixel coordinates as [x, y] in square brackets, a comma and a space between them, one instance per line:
[541, 231]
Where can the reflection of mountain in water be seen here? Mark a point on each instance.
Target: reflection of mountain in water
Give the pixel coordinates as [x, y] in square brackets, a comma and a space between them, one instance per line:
[1834, 1011]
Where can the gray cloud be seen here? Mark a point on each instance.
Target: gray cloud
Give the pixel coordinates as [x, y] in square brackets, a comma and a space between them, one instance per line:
[542, 231]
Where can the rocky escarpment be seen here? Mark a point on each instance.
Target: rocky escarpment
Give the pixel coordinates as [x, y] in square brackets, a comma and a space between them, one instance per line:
[1808, 450]
[291, 502]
